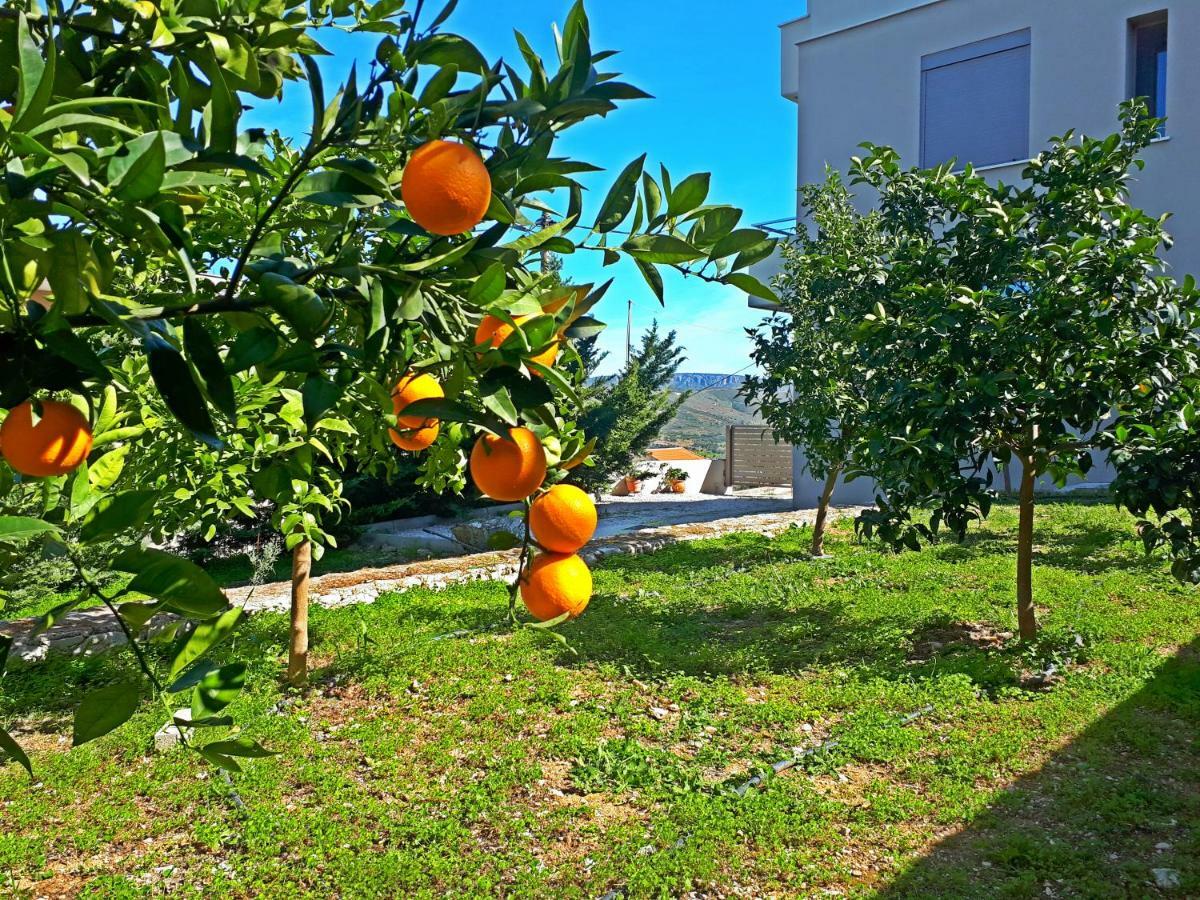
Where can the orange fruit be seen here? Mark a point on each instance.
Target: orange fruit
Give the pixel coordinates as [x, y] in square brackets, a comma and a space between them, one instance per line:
[57, 444]
[508, 469]
[446, 187]
[416, 440]
[493, 331]
[546, 358]
[563, 519]
[409, 389]
[557, 583]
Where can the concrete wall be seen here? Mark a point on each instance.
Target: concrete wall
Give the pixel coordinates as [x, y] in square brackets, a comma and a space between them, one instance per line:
[705, 476]
[854, 69]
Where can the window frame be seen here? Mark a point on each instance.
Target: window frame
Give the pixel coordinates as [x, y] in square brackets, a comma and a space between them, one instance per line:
[1132, 27]
[1001, 43]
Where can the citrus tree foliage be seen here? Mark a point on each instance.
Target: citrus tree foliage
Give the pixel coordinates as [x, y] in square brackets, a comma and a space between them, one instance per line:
[1018, 321]
[811, 387]
[627, 411]
[1156, 452]
[259, 296]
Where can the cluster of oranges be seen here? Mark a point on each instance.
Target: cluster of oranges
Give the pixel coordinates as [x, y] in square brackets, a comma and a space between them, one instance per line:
[447, 190]
[512, 468]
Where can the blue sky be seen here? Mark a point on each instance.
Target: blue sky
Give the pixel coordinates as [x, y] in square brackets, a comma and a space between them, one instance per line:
[713, 68]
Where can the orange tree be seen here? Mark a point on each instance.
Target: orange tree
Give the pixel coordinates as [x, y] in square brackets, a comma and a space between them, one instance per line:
[277, 292]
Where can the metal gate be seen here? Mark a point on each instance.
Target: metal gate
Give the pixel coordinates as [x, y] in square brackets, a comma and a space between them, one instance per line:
[754, 459]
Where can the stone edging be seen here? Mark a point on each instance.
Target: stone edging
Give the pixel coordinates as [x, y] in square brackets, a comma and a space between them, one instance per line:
[93, 631]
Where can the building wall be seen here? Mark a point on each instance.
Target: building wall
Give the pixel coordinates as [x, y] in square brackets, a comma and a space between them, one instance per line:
[862, 82]
[853, 67]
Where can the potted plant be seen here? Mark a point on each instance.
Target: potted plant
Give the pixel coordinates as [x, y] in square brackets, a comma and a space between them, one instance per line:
[673, 480]
[633, 481]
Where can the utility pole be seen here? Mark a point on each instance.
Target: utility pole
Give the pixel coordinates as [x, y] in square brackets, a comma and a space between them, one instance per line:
[629, 335]
[545, 222]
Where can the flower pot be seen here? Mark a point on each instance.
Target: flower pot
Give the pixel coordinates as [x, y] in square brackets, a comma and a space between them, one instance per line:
[677, 487]
[632, 485]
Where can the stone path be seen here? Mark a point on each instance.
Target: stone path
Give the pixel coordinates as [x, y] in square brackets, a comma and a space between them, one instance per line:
[93, 631]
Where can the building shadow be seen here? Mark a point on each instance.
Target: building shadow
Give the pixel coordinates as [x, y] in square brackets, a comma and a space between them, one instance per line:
[1115, 813]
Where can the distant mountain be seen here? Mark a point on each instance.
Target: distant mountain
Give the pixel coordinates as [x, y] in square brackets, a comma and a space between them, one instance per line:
[698, 381]
[700, 423]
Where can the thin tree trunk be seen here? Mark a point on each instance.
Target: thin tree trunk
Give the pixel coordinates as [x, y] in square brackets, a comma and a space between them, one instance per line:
[818, 538]
[1026, 616]
[297, 672]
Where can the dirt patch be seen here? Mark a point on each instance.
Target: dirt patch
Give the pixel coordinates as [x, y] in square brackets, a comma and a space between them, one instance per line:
[934, 640]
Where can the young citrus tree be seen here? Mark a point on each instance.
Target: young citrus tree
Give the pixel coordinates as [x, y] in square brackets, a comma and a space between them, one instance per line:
[1019, 323]
[372, 285]
[813, 389]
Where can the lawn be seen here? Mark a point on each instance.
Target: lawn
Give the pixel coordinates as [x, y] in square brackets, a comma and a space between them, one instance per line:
[453, 756]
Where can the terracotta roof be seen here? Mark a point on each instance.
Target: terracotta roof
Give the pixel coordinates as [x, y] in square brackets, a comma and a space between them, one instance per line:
[671, 454]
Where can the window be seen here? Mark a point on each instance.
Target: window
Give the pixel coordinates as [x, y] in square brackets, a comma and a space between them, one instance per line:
[975, 102]
[1148, 61]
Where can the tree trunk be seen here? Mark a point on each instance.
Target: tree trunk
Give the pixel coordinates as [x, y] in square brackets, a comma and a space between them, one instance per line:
[818, 538]
[297, 672]
[1026, 617]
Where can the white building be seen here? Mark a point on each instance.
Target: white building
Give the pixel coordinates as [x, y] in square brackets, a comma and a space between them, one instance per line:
[990, 81]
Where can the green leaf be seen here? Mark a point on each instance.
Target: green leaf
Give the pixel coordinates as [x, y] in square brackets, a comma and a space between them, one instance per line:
[620, 197]
[750, 285]
[252, 348]
[584, 327]
[18, 529]
[653, 278]
[179, 582]
[688, 194]
[204, 356]
[240, 747]
[217, 689]
[441, 408]
[661, 248]
[205, 636]
[114, 514]
[320, 395]
[174, 381]
[137, 174]
[736, 242]
[450, 49]
[488, 287]
[35, 76]
[103, 710]
[299, 304]
[11, 750]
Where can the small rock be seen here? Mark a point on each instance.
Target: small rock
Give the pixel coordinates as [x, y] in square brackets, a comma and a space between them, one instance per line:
[171, 735]
[1163, 845]
[658, 712]
[1166, 879]
[806, 727]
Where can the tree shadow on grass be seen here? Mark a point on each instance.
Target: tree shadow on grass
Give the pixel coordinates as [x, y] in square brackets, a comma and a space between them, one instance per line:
[1117, 803]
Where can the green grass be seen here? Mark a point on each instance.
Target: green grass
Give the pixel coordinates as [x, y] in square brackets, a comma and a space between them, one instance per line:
[51, 585]
[498, 763]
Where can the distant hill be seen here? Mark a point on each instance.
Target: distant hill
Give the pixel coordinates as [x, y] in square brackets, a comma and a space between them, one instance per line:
[698, 381]
[700, 423]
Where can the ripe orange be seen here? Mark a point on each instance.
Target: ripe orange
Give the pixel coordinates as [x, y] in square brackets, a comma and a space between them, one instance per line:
[446, 187]
[558, 583]
[493, 332]
[57, 444]
[508, 469]
[563, 519]
[416, 440]
[409, 389]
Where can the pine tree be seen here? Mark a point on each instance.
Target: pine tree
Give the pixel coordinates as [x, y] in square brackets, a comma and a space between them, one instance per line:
[627, 411]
